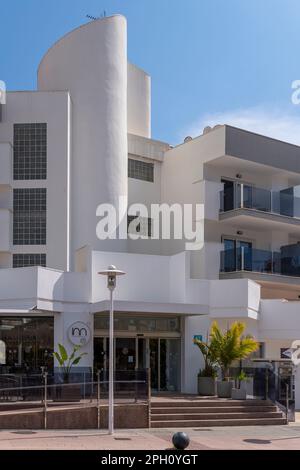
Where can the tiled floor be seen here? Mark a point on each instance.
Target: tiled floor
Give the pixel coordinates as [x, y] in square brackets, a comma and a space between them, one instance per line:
[251, 437]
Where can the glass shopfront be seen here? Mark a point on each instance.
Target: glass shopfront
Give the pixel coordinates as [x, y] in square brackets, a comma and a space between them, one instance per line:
[26, 344]
[140, 343]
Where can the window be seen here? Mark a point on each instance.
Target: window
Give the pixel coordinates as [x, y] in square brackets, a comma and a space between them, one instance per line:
[29, 226]
[143, 228]
[30, 151]
[22, 260]
[138, 324]
[141, 170]
[28, 344]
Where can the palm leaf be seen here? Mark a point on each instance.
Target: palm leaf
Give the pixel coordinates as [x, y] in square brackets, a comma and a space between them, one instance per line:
[63, 352]
[58, 358]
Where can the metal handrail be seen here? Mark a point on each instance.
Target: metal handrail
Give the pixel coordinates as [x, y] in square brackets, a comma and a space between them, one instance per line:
[44, 387]
[10, 389]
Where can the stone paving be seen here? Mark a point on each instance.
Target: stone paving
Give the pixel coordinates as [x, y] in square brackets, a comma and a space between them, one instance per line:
[248, 437]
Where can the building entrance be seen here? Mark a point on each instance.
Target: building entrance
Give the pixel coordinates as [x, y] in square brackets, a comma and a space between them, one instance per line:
[161, 355]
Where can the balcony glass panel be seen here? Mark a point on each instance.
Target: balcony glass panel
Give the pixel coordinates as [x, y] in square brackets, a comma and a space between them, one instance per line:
[238, 195]
[243, 258]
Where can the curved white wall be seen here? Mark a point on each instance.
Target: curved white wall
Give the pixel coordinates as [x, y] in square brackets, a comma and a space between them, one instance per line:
[91, 62]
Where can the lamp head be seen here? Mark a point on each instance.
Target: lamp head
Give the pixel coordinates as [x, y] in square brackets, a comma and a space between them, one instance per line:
[111, 272]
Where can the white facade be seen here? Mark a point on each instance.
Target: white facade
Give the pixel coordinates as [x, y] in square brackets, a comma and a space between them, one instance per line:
[97, 109]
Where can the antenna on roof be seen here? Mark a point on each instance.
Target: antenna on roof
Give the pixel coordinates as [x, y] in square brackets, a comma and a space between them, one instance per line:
[94, 18]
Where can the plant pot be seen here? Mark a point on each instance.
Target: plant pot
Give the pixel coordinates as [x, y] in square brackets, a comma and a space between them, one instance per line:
[238, 394]
[207, 386]
[224, 388]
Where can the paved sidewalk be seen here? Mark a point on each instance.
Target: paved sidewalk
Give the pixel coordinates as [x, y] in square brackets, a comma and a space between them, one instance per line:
[250, 437]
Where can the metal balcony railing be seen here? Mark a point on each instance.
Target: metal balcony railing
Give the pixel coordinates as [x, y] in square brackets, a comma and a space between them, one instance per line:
[286, 262]
[244, 196]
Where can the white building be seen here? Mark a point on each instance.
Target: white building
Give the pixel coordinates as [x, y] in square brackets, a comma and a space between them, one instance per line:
[84, 138]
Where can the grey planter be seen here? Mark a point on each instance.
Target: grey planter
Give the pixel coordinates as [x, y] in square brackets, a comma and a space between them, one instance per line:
[207, 386]
[238, 394]
[224, 388]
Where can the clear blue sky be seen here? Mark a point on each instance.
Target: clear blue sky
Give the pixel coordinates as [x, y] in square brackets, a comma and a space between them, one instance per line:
[206, 57]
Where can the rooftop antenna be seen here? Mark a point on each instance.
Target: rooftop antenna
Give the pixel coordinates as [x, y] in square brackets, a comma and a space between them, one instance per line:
[94, 18]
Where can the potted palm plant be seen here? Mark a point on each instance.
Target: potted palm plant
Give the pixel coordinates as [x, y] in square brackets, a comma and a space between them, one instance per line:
[230, 346]
[207, 375]
[239, 392]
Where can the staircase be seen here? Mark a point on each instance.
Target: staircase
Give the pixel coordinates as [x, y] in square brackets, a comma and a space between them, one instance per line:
[214, 412]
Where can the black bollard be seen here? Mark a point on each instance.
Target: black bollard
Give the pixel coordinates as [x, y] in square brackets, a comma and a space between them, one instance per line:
[180, 440]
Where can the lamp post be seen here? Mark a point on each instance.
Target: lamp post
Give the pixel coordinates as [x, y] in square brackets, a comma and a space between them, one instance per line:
[111, 273]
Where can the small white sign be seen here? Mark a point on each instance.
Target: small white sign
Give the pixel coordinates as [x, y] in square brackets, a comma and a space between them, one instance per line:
[79, 333]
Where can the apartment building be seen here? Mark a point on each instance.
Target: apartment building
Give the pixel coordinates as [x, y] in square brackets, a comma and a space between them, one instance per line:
[82, 139]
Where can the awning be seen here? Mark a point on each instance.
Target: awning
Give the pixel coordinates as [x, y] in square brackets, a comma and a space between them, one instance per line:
[184, 309]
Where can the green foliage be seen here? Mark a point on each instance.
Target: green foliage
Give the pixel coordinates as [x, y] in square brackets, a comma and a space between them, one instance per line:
[210, 361]
[241, 377]
[230, 346]
[66, 361]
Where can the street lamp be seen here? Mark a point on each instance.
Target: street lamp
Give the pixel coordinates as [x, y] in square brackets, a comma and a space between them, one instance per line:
[111, 273]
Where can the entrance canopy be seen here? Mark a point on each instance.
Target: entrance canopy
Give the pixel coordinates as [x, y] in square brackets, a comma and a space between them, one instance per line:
[151, 307]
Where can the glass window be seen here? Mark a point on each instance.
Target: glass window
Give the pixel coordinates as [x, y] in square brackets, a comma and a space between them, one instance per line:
[28, 343]
[143, 227]
[139, 324]
[22, 260]
[140, 170]
[29, 227]
[30, 151]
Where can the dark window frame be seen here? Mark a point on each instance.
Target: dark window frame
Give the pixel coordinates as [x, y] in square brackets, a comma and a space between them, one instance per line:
[22, 260]
[30, 151]
[138, 169]
[30, 216]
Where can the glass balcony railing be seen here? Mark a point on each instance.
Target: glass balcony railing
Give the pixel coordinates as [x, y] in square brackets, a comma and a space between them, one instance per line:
[240, 195]
[286, 262]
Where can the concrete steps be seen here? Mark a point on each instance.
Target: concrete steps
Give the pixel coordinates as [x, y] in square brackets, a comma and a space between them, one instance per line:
[211, 410]
[214, 412]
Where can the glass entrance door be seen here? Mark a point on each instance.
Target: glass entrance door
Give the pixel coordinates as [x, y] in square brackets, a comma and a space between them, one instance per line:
[165, 364]
[125, 354]
[161, 355]
[154, 363]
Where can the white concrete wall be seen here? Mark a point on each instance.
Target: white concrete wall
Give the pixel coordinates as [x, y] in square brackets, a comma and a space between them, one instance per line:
[5, 230]
[279, 320]
[91, 62]
[52, 108]
[138, 102]
[62, 322]
[147, 277]
[6, 162]
[243, 304]
[192, 359]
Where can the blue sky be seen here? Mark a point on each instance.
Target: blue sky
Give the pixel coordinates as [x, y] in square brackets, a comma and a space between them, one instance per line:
[211, 61]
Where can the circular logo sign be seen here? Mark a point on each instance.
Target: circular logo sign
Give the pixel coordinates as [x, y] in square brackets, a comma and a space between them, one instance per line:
[79, 333]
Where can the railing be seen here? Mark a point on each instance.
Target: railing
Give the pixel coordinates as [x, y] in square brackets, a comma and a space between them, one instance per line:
[48, 390]
[265, 382]
[128, 386]
[286, 262]
[245, 196]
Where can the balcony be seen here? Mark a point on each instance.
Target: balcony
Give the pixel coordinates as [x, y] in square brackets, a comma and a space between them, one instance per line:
[239, 201]
[256, 263]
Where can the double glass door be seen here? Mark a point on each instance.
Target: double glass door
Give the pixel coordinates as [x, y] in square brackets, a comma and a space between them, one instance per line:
[237, 255]
[161, 355]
